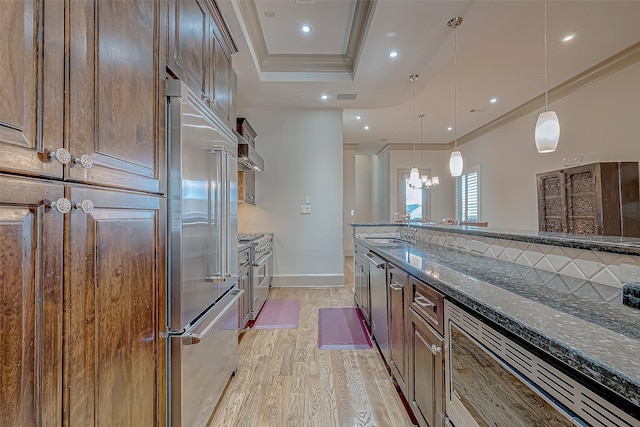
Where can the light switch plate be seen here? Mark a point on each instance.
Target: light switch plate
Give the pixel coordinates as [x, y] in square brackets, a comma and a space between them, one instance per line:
[305, 210]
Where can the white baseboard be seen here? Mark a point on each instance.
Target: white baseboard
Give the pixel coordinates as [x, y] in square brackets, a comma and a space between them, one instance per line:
[309, 280]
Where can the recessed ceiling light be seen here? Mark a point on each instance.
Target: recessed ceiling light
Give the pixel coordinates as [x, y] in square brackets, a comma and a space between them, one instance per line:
[324, 97]
[366, 128]
[568, 37]
[449, 128]
[358, 118]
[393, 54]
[306, 28]
[493, 100]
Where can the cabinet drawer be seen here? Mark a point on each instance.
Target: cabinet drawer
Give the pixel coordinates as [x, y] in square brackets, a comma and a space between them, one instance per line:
[428, 303]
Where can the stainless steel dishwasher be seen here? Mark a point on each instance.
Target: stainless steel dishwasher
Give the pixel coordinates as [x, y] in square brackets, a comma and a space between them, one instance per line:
[378, 283]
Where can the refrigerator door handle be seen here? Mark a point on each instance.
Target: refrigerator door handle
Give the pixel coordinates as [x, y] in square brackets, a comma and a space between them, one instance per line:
[196, 334]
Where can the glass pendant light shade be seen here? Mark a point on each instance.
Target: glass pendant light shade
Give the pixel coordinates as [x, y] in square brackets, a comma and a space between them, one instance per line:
[414, 178]
[455, 163]
[547, 132]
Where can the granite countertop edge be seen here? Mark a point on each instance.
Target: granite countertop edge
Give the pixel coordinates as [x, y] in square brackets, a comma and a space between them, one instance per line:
[617, 382]
[614, 244]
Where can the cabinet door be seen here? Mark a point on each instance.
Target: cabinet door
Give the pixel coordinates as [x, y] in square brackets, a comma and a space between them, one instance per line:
[32, 86]
[552, 211]
[114, 353]
[116, 109]
[426, 393]
[397, 284]
[584, 210]
[188, 47]
[245, 302]
[30, 304]
[221, 70]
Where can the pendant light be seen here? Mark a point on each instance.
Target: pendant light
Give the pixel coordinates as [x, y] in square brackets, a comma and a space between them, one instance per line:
[455, 161]
[414, 175]
[547, 131]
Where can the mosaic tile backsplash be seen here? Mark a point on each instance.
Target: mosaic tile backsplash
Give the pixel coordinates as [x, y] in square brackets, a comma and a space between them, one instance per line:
[594, 275]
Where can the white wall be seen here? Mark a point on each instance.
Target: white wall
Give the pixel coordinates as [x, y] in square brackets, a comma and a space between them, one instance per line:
[363, 188]
[302, 150]
[349, 197]
[442, 196]
[380, 202]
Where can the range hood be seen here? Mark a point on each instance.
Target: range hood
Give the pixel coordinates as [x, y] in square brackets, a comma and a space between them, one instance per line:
[248, 158]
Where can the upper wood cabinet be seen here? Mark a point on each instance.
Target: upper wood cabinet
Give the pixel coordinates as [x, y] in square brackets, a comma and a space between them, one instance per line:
[598, 198]
[31, 100]
[30, 303]
[200, 49]
[116, 105]
[188, 42]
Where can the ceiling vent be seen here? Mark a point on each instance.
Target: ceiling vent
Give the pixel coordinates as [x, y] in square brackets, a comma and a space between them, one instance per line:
[306, 1]
[269, 14]
[346, 96]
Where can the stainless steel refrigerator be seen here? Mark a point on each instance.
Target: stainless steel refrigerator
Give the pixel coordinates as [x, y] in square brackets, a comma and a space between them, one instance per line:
[202, 257]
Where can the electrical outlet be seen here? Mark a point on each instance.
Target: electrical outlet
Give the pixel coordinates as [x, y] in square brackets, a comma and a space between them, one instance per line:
[305, 210]
[629, 272]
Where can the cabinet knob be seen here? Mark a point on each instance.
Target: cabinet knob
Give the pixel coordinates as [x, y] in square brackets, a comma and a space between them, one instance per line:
[62, 205]
[61, 154]
[435, 349]
[86, 161]
[85, 206]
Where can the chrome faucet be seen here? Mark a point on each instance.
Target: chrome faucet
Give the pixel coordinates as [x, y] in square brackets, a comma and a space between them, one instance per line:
[398, 217]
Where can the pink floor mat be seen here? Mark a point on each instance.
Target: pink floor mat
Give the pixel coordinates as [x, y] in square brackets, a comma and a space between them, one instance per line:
[341, 329]
[278, 313]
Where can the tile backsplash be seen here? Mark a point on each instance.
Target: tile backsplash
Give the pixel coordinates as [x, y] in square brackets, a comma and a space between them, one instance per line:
[604, 268]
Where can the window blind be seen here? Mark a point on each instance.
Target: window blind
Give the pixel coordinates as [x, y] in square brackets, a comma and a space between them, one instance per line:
[467, 197]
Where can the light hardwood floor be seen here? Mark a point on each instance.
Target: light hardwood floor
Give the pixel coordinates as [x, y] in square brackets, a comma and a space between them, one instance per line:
[283, 379]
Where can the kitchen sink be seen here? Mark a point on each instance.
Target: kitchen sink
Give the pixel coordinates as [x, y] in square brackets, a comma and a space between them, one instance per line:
[388, 242]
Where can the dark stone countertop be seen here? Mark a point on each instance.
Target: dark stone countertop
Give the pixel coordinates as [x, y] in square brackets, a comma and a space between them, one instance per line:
[619, 245]
[599, 340]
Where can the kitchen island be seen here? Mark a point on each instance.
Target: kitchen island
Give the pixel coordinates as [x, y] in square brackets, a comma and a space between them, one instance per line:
[557, 294]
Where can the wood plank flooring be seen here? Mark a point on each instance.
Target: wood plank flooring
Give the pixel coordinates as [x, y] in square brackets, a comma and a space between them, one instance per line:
[284, 380]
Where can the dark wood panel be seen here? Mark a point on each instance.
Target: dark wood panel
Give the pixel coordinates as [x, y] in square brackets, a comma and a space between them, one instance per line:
[30, 304]
[427, 374]
[221, 80]
[551, 202]
[114, 113]
[188, 32]
[630, 191]
[31, 90]
[492, 394]
[115, 355]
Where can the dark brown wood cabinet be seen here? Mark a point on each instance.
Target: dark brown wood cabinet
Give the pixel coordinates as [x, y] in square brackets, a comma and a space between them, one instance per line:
[598, 198]
[32, 86]
[426, 378]
[398, 288]
[200, 49]
[114, 316]
[426, 354]
[31, 277]
[115, 91]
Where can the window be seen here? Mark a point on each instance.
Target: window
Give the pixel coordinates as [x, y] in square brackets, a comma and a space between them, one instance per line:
[468, 195]
[413, 201]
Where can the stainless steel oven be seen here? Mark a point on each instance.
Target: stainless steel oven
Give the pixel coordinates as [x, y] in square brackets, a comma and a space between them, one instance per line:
[491, 380]
[262, 273]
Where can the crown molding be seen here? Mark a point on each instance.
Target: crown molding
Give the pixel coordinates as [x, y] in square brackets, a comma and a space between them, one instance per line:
[304, 67]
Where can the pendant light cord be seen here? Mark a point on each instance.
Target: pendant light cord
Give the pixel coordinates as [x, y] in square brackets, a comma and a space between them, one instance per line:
[421, 148]
[546, 85]
[455, 88]
[413, 117]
